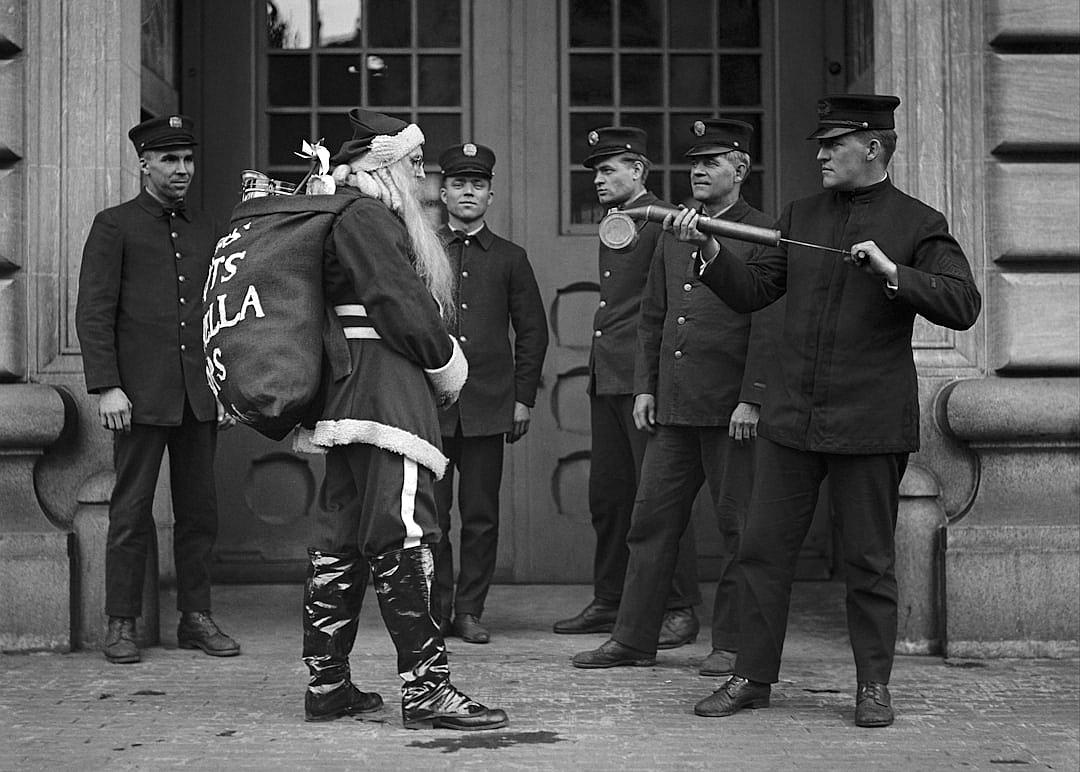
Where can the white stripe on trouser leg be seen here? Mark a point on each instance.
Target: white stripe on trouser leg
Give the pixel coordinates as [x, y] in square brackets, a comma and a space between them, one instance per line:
[413, 532]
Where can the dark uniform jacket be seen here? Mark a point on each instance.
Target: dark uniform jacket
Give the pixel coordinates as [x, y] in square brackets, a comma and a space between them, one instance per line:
[139, 312]
[844, 379]
[494, 287]
[389, 399]
[622, 278]
[697, 356]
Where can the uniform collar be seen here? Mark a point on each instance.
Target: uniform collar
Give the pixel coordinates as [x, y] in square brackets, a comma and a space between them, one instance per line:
[870, 192]
[157, 209]
[484, 237]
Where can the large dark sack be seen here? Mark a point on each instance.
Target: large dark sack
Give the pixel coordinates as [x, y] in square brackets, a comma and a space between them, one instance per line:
[264, 319]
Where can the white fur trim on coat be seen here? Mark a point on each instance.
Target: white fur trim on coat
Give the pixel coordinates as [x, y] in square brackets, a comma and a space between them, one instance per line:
[449, 379]
[353, 431]
[386, 149]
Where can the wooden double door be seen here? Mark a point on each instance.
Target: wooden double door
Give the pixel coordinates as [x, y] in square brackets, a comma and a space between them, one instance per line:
[528, 78]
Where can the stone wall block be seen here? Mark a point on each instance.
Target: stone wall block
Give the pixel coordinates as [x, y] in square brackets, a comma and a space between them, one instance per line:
[1013, 591]
[35, 591]
[1013, 560]
[35, 566]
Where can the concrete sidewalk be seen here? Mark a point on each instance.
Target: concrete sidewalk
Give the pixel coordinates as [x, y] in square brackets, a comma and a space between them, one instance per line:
[180, 708]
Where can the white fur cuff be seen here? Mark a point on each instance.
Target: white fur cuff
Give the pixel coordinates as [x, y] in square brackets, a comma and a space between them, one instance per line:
[449, 379]
[386, 149]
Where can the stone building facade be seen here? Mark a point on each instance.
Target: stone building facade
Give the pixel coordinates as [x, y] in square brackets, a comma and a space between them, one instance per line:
[990, 134]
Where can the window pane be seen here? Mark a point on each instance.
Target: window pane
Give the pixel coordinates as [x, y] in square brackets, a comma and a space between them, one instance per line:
[584, 208]
[653, 125]
[288, 81]
[681, 192]
[339, 23]
[388, 23]
[334, 129]
[580, 126]
[740, 80]
[758, 141]
[682, 134]
[337, 85]
[738, 24]
[590, 80]
[691, 80]
[687, 28]
[441, 130]
[288, 24]
[641, 22]
[439, 25]
[590, 23]
[286, 134]
[440, 81]
[389, 81]
[640, 80]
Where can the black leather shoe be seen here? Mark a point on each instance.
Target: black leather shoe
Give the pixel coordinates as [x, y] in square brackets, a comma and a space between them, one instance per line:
[612, 654]
[680, 627]
[120, 647]
[346, 700]
[598, 617]
[468, 628]
[197, 630]
[718, 664]
[873, 705]
[736, 693]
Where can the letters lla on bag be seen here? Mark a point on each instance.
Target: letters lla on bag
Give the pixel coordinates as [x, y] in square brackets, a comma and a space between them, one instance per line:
[263, 310]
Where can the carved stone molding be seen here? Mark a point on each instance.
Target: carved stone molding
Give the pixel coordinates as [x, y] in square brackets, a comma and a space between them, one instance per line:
[929, 54]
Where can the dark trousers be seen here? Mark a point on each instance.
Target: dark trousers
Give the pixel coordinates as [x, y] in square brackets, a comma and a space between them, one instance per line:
[678, 461]
[479, 463]
[865, 497]
[374, 501]
[137, 459]
[615, 468]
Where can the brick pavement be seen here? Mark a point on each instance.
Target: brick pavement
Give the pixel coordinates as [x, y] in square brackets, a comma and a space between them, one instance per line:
[181, 708]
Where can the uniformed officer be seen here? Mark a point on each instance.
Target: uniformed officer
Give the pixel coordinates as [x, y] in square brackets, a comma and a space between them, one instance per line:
[618, 157]
[139, 319]
[843, 397]
[699, 383]
[494, 290]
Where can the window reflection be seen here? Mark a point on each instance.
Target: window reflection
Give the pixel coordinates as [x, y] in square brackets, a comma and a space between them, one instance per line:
[340, 23]
[288, 23]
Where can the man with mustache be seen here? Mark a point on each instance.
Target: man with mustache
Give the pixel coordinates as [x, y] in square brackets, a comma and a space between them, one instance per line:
[843, 397]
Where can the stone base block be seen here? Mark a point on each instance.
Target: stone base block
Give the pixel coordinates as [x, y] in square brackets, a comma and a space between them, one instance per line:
[919, 523]
[90, 528]
[1013, 591]
[35, 591]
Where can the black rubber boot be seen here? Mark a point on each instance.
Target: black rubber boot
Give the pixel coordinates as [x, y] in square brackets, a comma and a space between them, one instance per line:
[333, 595]
[403, 583]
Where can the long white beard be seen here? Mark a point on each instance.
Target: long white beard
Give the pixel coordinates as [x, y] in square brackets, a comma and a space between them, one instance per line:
[393, 186]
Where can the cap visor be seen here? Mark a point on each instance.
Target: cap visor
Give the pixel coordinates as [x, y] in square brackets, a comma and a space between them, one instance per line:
[828, 132]
[470, 171]
[707, 150]
[592, 160]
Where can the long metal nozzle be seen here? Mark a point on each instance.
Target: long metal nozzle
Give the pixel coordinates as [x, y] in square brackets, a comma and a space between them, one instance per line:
[617, 236]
